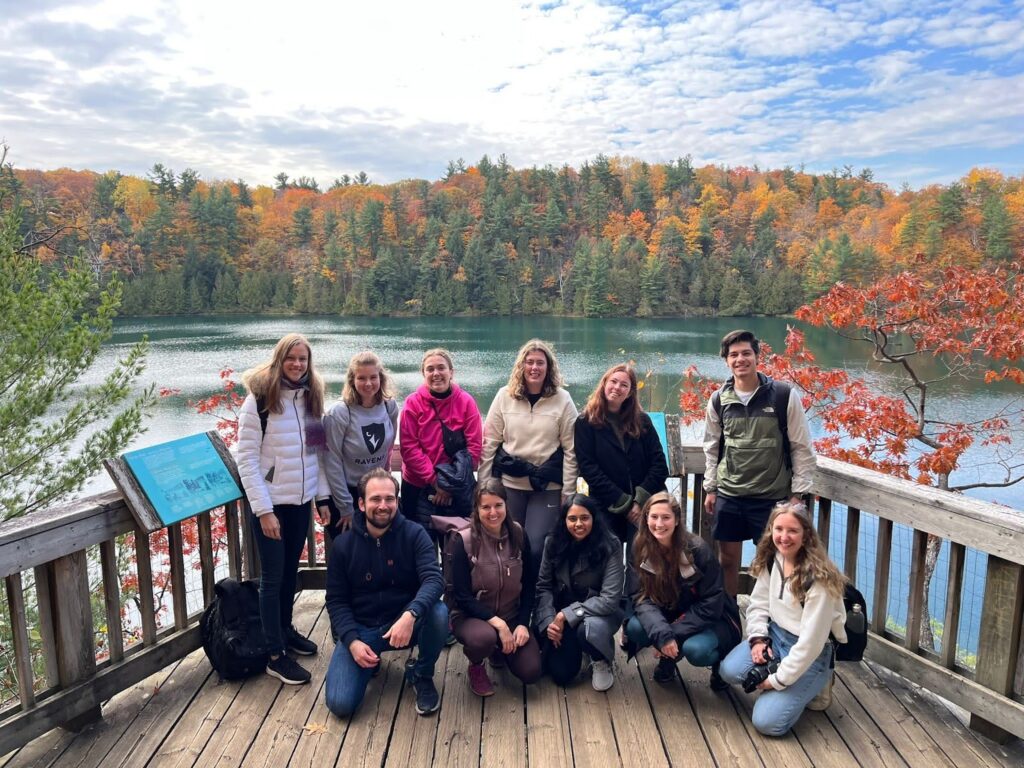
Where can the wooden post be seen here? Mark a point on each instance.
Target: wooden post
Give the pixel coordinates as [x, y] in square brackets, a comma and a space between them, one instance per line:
[147, 605]
[883, 559]
[72, 620]
[852, 541]
[47, 628]
[19, 633]
[112, 599]
[206, 565]
[251, 554]
[999, 643]
[954, 589]
[176, 555]
[824, 520]
[915, 596]
[234, 548]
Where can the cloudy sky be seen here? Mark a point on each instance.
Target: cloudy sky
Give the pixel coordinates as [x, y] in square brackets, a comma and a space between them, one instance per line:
[919, 90]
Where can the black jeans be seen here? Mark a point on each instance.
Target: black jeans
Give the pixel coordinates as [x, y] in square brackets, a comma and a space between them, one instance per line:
[563, 663]
[279, 566]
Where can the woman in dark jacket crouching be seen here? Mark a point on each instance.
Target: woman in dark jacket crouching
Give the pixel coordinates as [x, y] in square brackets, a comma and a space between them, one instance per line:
[578, 594]
[681, 607]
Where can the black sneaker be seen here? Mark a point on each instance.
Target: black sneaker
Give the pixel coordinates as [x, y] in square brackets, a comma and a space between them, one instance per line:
[287, 670]
[427, 698]
[665, 672]
[299, 643]
[716, 682]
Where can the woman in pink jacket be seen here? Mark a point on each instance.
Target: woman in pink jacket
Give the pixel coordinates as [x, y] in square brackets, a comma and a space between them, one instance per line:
[439, 405]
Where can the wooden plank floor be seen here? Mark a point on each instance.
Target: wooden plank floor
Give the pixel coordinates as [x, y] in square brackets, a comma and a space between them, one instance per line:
[184, 716]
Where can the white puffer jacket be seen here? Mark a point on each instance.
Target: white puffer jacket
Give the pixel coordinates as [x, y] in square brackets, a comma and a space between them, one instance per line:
[297, 476]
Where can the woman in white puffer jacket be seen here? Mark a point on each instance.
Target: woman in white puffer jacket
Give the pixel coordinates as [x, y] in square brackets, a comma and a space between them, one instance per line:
[280, 460]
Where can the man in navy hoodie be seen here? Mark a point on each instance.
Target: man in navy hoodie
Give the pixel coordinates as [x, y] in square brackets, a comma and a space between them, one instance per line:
[383, 593]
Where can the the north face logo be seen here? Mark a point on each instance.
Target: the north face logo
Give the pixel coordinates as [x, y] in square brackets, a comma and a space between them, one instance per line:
[373, 436]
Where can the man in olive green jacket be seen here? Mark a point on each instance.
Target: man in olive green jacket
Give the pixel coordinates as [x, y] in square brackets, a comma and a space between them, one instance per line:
[751, 462]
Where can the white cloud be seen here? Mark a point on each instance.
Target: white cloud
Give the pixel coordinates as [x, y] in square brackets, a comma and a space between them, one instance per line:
[398, 88]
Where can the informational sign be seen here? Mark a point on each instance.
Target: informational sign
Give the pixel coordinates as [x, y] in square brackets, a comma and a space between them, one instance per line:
[183, 477]
[658, 419]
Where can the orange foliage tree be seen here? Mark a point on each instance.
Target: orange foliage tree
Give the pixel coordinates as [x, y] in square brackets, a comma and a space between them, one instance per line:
[928, 329]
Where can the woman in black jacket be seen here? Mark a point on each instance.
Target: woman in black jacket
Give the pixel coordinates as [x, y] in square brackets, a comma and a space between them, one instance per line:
[618, 450]
[578, 594]
[681, 607]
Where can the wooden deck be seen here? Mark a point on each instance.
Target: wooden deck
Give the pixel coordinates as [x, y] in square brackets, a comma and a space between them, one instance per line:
[183, 716]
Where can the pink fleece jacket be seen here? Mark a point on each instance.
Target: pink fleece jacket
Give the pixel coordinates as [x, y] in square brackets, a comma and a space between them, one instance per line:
[420, 431]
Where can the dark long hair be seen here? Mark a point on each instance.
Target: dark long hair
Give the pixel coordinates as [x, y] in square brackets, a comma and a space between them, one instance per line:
[596, 548]
[494, 487]
[662, 587]
[596, 409]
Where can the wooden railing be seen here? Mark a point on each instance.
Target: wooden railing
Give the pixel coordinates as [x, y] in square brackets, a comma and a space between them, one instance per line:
[51, 549]
[991, 692]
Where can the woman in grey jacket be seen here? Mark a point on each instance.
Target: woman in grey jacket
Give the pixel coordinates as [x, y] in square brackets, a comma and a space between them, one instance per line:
[361, 429]
[579, 593]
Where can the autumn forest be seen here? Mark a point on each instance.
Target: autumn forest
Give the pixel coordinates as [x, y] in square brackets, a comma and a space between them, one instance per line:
[616, 237]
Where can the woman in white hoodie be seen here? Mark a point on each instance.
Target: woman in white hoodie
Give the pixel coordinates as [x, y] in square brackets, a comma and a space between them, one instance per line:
[797, 601]
[280, 460]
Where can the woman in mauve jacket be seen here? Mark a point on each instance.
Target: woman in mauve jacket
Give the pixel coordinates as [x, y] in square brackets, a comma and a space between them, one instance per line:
[493, 584]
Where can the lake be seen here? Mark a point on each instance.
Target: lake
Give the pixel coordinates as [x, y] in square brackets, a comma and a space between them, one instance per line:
[187, 354]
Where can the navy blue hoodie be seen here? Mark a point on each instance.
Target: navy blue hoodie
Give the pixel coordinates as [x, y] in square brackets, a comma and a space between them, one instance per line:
[371, 581]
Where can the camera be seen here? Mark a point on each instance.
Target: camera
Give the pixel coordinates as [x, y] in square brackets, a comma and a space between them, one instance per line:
[759, 672]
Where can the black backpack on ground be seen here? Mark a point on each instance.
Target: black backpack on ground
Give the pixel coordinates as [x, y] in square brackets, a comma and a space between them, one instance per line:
[856, 623]
[232, 631]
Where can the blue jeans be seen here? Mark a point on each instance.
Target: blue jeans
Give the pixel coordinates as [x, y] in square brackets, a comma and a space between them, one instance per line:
[347, 681]
[279, 566]
[775, 712]
[701, 649]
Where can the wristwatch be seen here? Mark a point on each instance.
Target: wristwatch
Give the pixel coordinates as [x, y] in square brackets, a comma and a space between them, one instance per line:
[415, 615]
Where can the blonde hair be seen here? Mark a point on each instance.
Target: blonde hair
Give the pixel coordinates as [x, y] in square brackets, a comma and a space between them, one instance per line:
[552, 380]
[264, 380]
[349, 393]
[437, 352]
[813, 565]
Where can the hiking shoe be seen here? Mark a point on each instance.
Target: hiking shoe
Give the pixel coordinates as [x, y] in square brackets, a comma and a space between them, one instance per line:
[602, 677]
[716, 682]
[427, 698]
[497, 660]
[665, 672]
[299, 643]
[479, 682]
[823, 699]
[287, 670]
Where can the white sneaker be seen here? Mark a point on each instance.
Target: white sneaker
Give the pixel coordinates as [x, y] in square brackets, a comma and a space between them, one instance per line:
[602, 676]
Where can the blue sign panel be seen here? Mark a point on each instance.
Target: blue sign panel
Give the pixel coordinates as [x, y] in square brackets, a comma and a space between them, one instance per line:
[183, 477]
[658, 420]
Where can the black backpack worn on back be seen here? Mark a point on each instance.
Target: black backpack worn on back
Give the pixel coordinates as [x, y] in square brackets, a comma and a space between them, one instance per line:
[232, 631]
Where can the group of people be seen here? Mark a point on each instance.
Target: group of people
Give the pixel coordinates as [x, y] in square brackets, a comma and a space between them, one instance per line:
[486, 541]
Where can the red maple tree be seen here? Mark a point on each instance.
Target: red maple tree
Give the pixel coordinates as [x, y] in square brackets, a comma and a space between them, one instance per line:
[928, 328]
